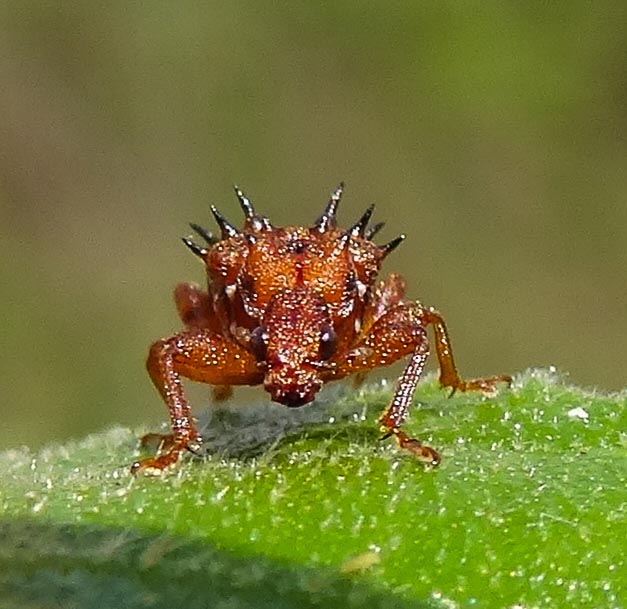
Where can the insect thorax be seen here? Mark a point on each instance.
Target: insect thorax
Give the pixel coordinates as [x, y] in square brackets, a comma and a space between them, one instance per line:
[247, 271]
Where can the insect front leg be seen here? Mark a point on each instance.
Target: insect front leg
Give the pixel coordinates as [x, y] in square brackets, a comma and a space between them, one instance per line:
[199, 355]
[392, 418]
[398, 409]
[396, 334]
[196, 311]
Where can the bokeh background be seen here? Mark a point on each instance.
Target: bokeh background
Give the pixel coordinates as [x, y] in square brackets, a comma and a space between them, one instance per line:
[492, 133]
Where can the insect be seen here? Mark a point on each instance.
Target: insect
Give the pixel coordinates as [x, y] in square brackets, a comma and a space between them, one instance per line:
[293, 308]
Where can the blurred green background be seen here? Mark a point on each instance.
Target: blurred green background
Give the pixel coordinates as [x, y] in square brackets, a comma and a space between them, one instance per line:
[493, 134]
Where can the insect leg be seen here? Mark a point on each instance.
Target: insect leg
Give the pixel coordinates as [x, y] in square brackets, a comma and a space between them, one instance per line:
[194, 306]
[449, 377]
[396, 334]
[396, 413]
[199, 355]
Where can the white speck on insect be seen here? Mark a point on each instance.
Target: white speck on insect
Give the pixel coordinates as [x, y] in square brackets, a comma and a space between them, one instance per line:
[230, 290]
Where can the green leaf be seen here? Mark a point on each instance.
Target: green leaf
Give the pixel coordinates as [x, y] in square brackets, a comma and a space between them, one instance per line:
[306, 508]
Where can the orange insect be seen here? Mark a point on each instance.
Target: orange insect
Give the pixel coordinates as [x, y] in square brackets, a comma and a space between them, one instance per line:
[294, 308]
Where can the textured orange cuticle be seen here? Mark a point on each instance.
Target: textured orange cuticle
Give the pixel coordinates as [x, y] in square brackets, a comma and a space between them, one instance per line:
[293, 308]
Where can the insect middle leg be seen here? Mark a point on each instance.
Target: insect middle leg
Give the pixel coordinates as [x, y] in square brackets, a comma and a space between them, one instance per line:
[449, 377]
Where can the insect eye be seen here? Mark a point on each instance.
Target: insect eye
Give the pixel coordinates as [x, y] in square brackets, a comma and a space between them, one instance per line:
[328, 342]
[259, 342]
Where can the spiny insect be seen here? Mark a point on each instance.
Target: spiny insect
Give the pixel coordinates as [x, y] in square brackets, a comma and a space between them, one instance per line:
[293, 308]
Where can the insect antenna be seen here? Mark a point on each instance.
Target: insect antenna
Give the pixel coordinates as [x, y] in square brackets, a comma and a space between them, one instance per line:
[228, 230]
[373, 230]
[392, 245]
[204, 233]
[196, 249]
[359, 228]
[253, 220]
[327, 220]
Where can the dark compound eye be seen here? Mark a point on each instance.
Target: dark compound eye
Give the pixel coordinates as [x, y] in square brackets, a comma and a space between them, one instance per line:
[328, 342]
[259, 342]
